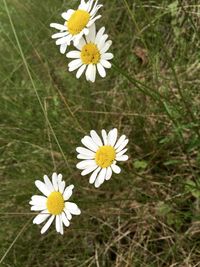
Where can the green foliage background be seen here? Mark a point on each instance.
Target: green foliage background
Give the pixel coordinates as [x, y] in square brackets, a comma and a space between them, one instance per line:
[149, 214]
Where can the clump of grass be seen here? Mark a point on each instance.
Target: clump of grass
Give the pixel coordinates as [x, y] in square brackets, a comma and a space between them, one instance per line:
[147, 216]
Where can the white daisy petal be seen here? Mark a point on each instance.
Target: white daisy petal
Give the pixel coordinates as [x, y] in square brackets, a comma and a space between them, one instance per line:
[73, 54]
[82, 156]
[78, 37]
[122, 146]
[75, 64]
[85, 151]
[63, 48]
[99, 34]
[65, 220]
[120, 141]
[94, 175]
[55, 181]
[80, 71]
[75, 67]
[58, 26]
[63, 40]
[58, 223]
[38, 200]
[68, 192]
[85, 163]
[116, 169]
[105, 137]
[100, 178]
[68, 214]
[40, 218]
[88, 170]
[96, 138]
[38, 207]
[108, 173]
[119, 154]
[88, 73]
[105, 64]
[102, 41]
[87, 4]
[93, 73]
[93, 20]
[106, 47]
[83, 5]
[107, 56]
[101, 70]
[60, 177]
[112, 137]
[73, 208]
[89, 143]
[122, 158]
[58, 35]
[67, 15]
[33, 203]
[68, 39]
[48, 183]
[90, 3]
[42, 187]
[95, 9]
[47, 225]
[86, 31]
[91, 35]
[80, 44]
[61, 187]
[61, 225]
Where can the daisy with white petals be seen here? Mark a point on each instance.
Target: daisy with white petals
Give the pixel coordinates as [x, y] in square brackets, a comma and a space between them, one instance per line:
[53, 205]
[77, 24]
[100, 155]
[92, 55]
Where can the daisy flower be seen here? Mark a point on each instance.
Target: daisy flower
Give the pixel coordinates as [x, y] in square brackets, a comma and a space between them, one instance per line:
[99, 156]
[77, 24]
[53, 204]
[91, 55]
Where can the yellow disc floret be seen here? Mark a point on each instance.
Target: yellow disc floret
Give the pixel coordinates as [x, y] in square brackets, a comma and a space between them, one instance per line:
[90, 54]
[105, 156]
[55, 203]
[77, 22]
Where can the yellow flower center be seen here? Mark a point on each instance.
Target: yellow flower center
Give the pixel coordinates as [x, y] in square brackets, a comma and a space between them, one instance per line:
[105, 156]
[77, 22]
[90, 54]
[55, 203]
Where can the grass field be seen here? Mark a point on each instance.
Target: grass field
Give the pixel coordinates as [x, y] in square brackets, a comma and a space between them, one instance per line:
[149, 215]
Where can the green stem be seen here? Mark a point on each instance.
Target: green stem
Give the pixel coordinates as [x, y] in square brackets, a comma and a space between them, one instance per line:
[184, 100]
[141, 86]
